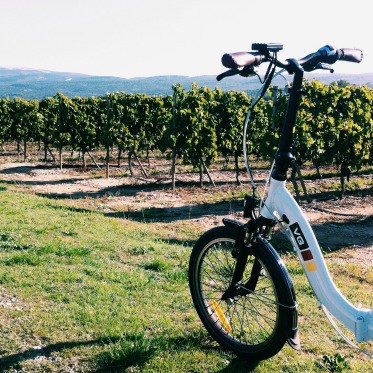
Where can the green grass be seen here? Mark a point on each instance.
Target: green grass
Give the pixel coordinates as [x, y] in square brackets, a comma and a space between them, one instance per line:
[83, 292]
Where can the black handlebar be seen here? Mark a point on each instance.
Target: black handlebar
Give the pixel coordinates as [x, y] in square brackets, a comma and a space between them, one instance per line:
[243, 63]
[311, 62]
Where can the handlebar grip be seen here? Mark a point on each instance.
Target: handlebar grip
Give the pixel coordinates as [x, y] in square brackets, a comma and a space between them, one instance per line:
[240, 59]
[350, 55]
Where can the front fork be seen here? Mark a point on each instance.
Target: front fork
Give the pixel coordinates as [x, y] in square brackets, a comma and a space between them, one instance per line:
[251, 237]
[244, 245]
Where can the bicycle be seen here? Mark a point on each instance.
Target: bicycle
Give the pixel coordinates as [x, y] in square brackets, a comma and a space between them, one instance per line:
[240, 287]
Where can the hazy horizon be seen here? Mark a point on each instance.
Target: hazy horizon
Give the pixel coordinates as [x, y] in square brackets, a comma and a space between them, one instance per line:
[143, 38]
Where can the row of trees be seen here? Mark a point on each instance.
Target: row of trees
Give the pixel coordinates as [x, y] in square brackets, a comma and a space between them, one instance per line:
[334, 124]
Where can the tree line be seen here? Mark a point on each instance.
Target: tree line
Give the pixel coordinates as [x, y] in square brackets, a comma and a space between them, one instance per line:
[334, 124]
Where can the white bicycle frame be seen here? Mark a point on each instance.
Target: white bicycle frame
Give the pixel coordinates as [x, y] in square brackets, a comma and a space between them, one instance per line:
[279, 201]
[282, 207]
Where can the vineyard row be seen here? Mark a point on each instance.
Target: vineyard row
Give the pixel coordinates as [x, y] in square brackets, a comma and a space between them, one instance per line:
[334, 124]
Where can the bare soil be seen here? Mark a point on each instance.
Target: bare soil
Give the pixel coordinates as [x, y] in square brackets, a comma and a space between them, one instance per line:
[338, 223]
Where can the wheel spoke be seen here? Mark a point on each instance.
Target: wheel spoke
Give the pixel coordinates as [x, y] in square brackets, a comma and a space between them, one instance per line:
[251, 317]
[249, 322]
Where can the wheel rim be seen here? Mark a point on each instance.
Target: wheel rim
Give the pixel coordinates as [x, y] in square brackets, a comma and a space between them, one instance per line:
[250, 319]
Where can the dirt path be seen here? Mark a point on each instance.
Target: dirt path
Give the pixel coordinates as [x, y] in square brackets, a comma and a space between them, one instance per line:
[346, 223]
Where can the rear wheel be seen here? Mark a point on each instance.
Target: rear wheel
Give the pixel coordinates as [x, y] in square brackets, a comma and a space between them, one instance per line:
[254, 323]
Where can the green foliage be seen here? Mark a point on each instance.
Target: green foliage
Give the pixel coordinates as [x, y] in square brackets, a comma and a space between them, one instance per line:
[64, 122]
[135, 122]
[82, 290]
[194, 133]
[126, 352]
[334, 123]
[335, 363]
[314, 132]
[5, 119]
[85, 123]
[48, 109]
[9, 240]
[354, 125]
[232, 109]
[24, 119]
[334, 126]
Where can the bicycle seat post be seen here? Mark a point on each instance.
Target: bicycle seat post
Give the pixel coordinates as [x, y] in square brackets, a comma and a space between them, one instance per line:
[284, 157]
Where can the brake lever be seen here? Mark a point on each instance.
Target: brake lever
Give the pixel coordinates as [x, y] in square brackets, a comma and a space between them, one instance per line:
[227, 73]
[324, 66]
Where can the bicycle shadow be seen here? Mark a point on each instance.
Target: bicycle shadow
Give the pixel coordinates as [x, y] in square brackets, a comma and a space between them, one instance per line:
[103, 362]
[239, 365]
[13, 361]
[100, 363]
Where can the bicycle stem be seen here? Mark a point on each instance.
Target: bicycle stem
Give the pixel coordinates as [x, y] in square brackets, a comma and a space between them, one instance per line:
[284, 157]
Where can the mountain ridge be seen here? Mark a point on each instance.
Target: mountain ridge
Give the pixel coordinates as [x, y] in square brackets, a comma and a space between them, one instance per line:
[38, 84]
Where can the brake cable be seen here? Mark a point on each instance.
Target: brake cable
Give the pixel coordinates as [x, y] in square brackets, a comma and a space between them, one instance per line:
[267, 79]
[270, 74]
[258, 96]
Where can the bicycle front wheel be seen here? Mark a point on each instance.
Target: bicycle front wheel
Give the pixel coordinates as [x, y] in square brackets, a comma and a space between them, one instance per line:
[254, 324]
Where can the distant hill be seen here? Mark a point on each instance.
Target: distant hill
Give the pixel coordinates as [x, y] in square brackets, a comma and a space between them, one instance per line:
[38, 84]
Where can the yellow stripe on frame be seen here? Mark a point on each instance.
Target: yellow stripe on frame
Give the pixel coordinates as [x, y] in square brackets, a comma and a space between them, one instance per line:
[311, 266]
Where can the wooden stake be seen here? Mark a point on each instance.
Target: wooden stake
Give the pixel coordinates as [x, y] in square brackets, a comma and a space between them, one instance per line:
[294, 181]
[107, 161]
[93, 160]
[173, 166]
[140, 164]
[302, 183]
[60, 157]
[208, 173]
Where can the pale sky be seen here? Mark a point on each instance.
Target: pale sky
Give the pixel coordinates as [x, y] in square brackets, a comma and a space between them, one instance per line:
[133, 38]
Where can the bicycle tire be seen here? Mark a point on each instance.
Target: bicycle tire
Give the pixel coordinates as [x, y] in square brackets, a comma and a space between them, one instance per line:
[255, 326]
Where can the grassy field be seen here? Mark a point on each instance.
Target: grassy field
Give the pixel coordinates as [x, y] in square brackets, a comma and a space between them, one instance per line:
[83, 292]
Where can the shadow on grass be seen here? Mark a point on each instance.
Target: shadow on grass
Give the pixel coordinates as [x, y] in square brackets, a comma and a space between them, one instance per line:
[122, 356]
[186, 212]
[14, 361]
[348, 234]
[118, 353]
[26, 167]
[333, 236]
[331, 195]
[121, 353]
[126, 352]
[238, 365]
